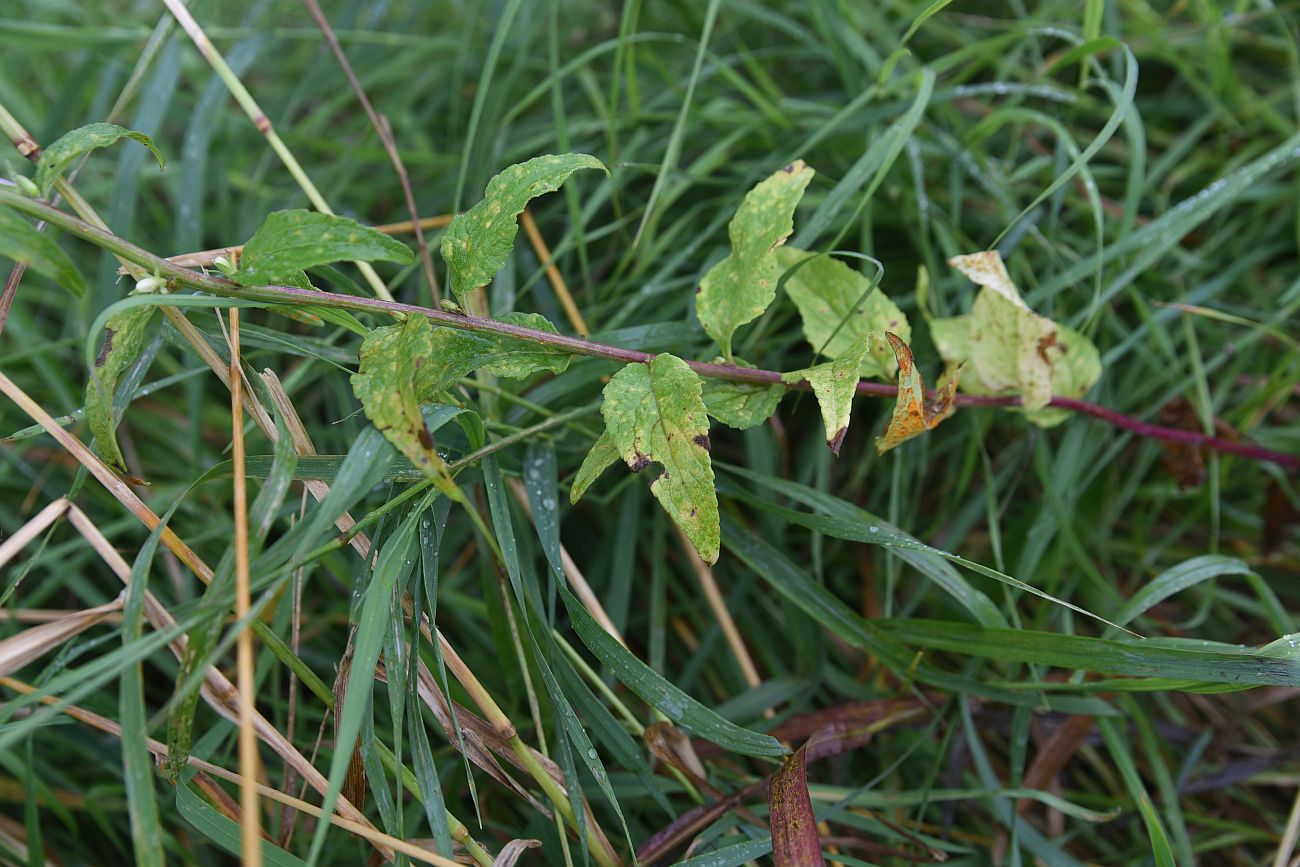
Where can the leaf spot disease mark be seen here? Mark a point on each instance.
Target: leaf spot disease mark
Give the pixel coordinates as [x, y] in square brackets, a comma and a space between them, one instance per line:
[106, 348]
[702, 441]
[640, 463]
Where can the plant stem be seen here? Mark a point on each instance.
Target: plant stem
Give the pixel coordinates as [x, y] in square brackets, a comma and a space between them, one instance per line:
[263, 124]
[588, 348]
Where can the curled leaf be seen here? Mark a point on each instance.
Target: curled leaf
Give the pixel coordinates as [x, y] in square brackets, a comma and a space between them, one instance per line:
[124, 335]
[834, 384]
[741, 405]
[20, 242]
[839, 307]
[65, 150]
[288, 242]
[1013, 348]
[654, 413]
[740, 287]
[477, 243]
[914, 413]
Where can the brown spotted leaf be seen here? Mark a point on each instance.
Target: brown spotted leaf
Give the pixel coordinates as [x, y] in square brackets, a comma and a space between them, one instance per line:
[914, 413]
[654, 413]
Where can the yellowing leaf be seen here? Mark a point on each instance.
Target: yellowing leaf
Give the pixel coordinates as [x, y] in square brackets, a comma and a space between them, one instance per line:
[741, 405]
[654, 413]
[602, 455]
[390, 384]
[1012, 347]
[740, 287]
[477, 243]
[914, 413]
[288, 242]
[65, 150]
[835, 383]
[124, 335]
[1075, 370]
[840, 307]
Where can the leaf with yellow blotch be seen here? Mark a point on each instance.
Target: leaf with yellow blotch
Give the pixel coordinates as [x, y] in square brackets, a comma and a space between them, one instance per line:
[740, 287]
[654, 413]
[478, 242]
[914, 413]
[392, 380]
[1012, 347]
[834, 384]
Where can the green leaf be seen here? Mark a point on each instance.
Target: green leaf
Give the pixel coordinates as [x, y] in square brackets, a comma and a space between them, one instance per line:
[20, 241]
[839, 307]
[124, 335]
[602, 455]
[405, 365]
[390, 383]
[740, 287]
[655, 413]
[290, 241]
[914, 414]
[834, 383]
[684, 711]
[59, 155]
[741, 404]
[477, 242]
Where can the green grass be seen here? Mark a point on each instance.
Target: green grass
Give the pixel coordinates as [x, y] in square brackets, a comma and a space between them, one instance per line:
[1125, 158]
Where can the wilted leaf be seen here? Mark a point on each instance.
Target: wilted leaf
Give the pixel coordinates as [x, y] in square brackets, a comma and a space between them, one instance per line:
[602, 455]
[290, 241]
[1012, 347]
[839, 307]
[795, 841]
[741, 404]
[124, 335]
[390, 383]
[63, 151]
[834, 383]
[477, 243]
[740, 287]
[20, 242]
[913, 413]
[654, 413]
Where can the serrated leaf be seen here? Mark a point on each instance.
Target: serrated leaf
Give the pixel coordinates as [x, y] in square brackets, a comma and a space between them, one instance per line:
[839, 307]
[477, 243]
[740, 405]
[740, 287]
[124, 335]
[20, 242]
[914, 413]
[62, 152]
[390, 384]
[1011, 346]
[603, 454]
[290, 241]
[654, 413]
[834, 384]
